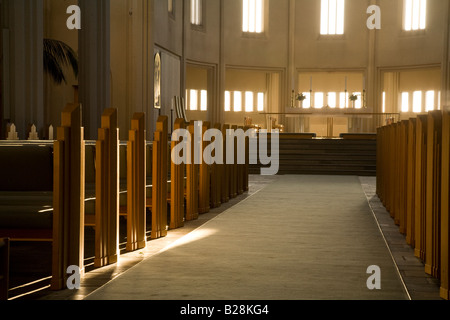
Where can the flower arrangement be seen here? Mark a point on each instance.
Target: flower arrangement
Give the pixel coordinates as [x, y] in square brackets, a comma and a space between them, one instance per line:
[353, 97]
[301, 97]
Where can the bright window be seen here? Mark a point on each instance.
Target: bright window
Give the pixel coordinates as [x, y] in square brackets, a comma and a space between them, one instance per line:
[170, 6]
[343, 98]
[429, 100]
[415, 15]
[196, 12]
[227, 101]
[417, 101]
[332, 99]
[193, 100]
[253, 16]
[384, 102]
[307, 101]
[358, 101]
[332, 17]
[248, 101]
[405, 101]
[203, 100]
[237, 101]
[260, 101]
[318, 100]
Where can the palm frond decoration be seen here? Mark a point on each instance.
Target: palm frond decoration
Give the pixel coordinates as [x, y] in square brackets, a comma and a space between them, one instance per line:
[58, 55]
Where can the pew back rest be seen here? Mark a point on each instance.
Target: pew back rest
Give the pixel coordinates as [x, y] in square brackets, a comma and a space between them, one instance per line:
[26, 168]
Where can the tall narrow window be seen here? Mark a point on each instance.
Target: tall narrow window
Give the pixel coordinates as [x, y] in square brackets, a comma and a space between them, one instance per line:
[237, 101]
[332, 17]
[405, 102]
[249, 101]
[318, 100]
[196, 12]
[415, 15]
[227, 101]
[343, 98]
[417, 101]
[253, 16]
[307, 101]
[429, 100]
[193, 101]
[332, 99]
[203, 100]
[358, 101]
[170, 6]
[384, 102]
[260, 101]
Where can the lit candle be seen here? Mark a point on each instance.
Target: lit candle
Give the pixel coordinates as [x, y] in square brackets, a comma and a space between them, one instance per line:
[346, 83]
[364, 83]
[310, 84]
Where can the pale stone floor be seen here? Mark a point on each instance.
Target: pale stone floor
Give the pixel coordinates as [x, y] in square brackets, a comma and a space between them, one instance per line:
[346, 254]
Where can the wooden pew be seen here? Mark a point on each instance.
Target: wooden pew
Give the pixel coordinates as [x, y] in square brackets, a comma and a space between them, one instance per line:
[192, 183]
[107, 191]
[420, 186]
[234, 169]
[445, 208]
[177, 186]
[216, 178]
[226, 171]
[159, 190]
[204, 175]
[4, 268]
[68, 197]
[136, 185]
[433, 194]
[402, 169]
[411, 182]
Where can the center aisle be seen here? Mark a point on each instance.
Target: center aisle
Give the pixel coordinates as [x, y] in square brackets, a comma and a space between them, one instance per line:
[299, 238]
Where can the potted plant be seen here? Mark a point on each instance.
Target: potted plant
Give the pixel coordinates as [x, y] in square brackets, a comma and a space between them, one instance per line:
[57, 56]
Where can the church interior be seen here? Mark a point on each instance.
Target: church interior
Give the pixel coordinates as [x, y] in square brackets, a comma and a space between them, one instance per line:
[353, 96]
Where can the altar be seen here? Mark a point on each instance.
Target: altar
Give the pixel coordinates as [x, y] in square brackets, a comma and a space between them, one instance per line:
[330, 114]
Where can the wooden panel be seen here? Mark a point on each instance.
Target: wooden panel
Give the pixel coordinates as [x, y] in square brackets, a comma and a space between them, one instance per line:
[420, 186]
[159, 177]
[433, 193]
[107, 191]
[216, 178]
[192, 180]
[234, 168]
[177, 186]
[204, 175]
[136, 193]
[4, 268]
[445, 208]
[403, 169]
[225, 193]
[68, 197]
[410, 199]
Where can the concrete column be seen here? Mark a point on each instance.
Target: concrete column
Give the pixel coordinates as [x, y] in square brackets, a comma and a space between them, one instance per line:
[94, 63]
[23, 43]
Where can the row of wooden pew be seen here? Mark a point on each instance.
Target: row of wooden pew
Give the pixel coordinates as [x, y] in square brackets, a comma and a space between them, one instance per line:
[413, 184]
[93, 183]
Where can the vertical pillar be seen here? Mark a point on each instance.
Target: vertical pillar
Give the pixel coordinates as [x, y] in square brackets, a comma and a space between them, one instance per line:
[216, 178]
[94, 62]
[68, 196]
[411, 182]
[107, 191]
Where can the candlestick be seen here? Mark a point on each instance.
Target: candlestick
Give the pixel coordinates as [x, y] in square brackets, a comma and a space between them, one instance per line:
[310, 84]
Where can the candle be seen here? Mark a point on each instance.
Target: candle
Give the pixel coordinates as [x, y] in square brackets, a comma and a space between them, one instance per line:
[364, 83]
[346, 83]
[310, 84]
